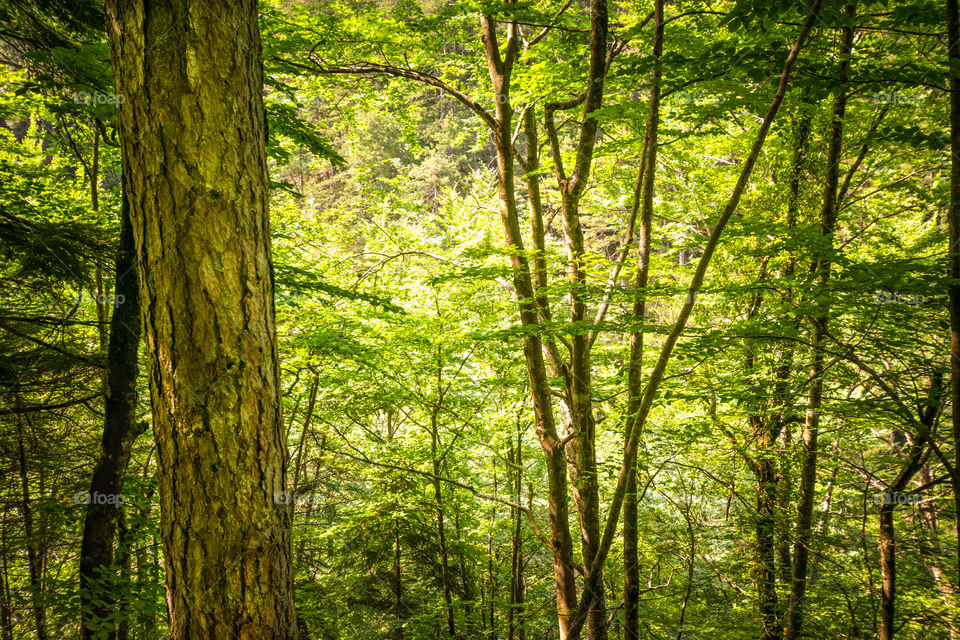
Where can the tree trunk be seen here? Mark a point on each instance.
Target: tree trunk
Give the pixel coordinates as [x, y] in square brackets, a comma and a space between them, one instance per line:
[193, 138]
[470, 624]
[581, 427]
[763, 464]
[500, 67]
[34, 550]
[821, 267]
[123, 562]
[6, 610]
[696, 282]
[643, 199]
[823, 524]
[398, 585]
[515, 614]
[953, 270]
[926, 416]
[783, 398]
[491, 627]
[438, 504]
[119, 432]
[888, 571]
[771, 625]
[932, 553]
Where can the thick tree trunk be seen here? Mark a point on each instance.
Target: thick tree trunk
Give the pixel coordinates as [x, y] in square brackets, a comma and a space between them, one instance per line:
[193, 140]
[119, 432]
[821, 267]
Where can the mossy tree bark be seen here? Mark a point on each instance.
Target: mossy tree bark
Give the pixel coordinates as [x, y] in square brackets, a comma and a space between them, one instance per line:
[193, 139]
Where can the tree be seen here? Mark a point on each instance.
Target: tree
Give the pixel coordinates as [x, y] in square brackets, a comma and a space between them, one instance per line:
[120, 430]
[820, 322]
[194, 166]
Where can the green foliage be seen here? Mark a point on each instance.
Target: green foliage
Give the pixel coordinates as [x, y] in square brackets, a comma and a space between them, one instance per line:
[401, 349]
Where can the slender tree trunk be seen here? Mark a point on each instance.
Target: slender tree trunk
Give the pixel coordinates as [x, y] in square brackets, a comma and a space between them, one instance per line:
[666, 351]
[123, 562]
[932, 553]
[119, 432]
[953, 271]
[470, 625]
[763, 465]
[581, 427]
[193, 143]
[766, 472]
[783, 398]
[888, 571]
[398, 585]
[34, 554]
[822, 267]
[500, 67]
[926, 418]
[6, 610]
[823, 524]
[888, 544]
[444, 555]
[643, 199]
[146, 564]
[491, 585]
[438, 504]
[311, 404]
[515, 614]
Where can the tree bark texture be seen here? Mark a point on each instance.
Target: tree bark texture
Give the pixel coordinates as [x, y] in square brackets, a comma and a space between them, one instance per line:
[193, 143]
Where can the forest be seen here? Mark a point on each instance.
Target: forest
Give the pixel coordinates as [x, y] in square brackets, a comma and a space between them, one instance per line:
[479, 319]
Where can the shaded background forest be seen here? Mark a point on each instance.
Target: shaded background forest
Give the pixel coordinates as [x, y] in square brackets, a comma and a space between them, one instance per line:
[417, 479]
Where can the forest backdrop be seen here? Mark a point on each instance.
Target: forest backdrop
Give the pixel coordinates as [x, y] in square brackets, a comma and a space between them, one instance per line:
[593, 319]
